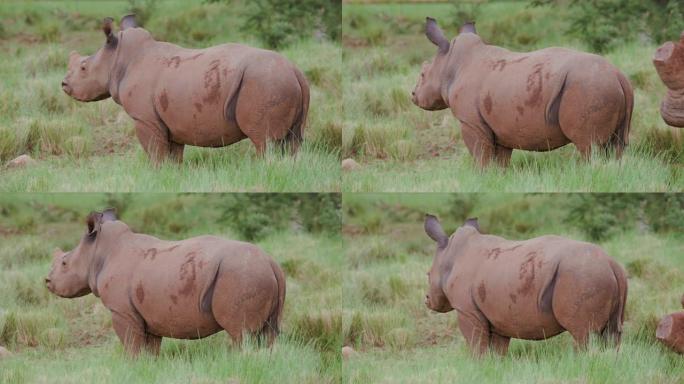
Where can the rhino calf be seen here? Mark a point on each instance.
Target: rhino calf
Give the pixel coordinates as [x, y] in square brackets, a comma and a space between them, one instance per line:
[534, 101]
[185, 289]
[532, 289]
[209, 97]
[669, 63]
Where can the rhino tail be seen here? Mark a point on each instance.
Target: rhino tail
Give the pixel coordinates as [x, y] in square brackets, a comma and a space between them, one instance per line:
[620, 138]
[295, 134]
[613, 329]
[271, 327]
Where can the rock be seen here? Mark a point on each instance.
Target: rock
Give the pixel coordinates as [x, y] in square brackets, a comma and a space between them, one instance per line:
[233, 380]
[4, 352]
[350, 165]
[21, 162]
[348, 352]
[670, 331]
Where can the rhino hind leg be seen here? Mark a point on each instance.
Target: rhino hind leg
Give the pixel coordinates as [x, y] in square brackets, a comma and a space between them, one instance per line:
[241, 303]
[583, 301]
[267, 116]
[604, 106]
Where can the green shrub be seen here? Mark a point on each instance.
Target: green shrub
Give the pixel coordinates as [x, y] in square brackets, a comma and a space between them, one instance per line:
[323, 329]
[604, 24]
[278, 23]
[143, 9]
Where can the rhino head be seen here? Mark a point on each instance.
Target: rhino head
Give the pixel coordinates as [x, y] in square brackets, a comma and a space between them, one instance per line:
[88, 77]
[427, 93]
[442, 264]
[71, 274]
[669, 63]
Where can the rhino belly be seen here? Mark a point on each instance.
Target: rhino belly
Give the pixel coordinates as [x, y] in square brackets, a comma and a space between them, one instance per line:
[527, 325]
[180, 323]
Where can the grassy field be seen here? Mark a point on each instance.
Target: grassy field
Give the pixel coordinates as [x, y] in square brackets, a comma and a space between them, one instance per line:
[398, 340]
[92, 146]
[55, 340]
[403, 148]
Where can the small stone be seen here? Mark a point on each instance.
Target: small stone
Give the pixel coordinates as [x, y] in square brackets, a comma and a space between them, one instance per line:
[350, 165]
[21, 162]
[348, 352]
[4, 352]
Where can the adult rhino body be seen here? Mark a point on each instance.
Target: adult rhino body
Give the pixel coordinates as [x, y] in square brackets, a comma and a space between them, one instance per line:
[185, 289]
[535, 101]
[209, 97]
[532, 289]
[669, 63]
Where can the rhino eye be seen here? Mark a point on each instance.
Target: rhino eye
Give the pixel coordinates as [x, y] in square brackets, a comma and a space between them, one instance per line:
[64, 262]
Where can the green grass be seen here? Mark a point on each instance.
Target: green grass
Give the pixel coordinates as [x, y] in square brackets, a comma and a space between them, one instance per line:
[398, 340]
[403, 148]
[93, 145]
[72, 341]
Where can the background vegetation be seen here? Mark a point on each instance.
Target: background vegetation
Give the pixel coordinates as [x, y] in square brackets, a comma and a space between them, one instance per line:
[397, 339]
[92, 146]
[403, 148]
[59, 340]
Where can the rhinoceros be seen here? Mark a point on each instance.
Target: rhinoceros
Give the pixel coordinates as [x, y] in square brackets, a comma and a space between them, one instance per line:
[669, 63]
[670, 330]
[534, 101]
[185, 289]
[532, 289]
[209, 97]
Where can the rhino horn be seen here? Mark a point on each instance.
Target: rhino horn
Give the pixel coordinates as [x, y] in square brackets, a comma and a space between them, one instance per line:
[468, 27]
[435, 35]
[128, 21]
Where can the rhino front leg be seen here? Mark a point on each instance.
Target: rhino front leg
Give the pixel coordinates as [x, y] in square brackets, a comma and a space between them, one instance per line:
[476, 333]
[154, 140]
[131, 333]
[480, 143]
[503, 155]
[499, 343]
[176, 151]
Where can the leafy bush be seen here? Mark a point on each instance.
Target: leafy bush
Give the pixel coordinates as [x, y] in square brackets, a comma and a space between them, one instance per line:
[279, 23]
[255, 216]
[603, 24]
[143, 9]
[600, 216]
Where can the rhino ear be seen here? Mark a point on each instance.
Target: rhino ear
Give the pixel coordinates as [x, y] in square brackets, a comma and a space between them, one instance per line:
[128, 21]
[434, 229]
[468, 27]
[109, 214]
[93, 222]
[107, 29]
[435, 35]
[472, 222]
